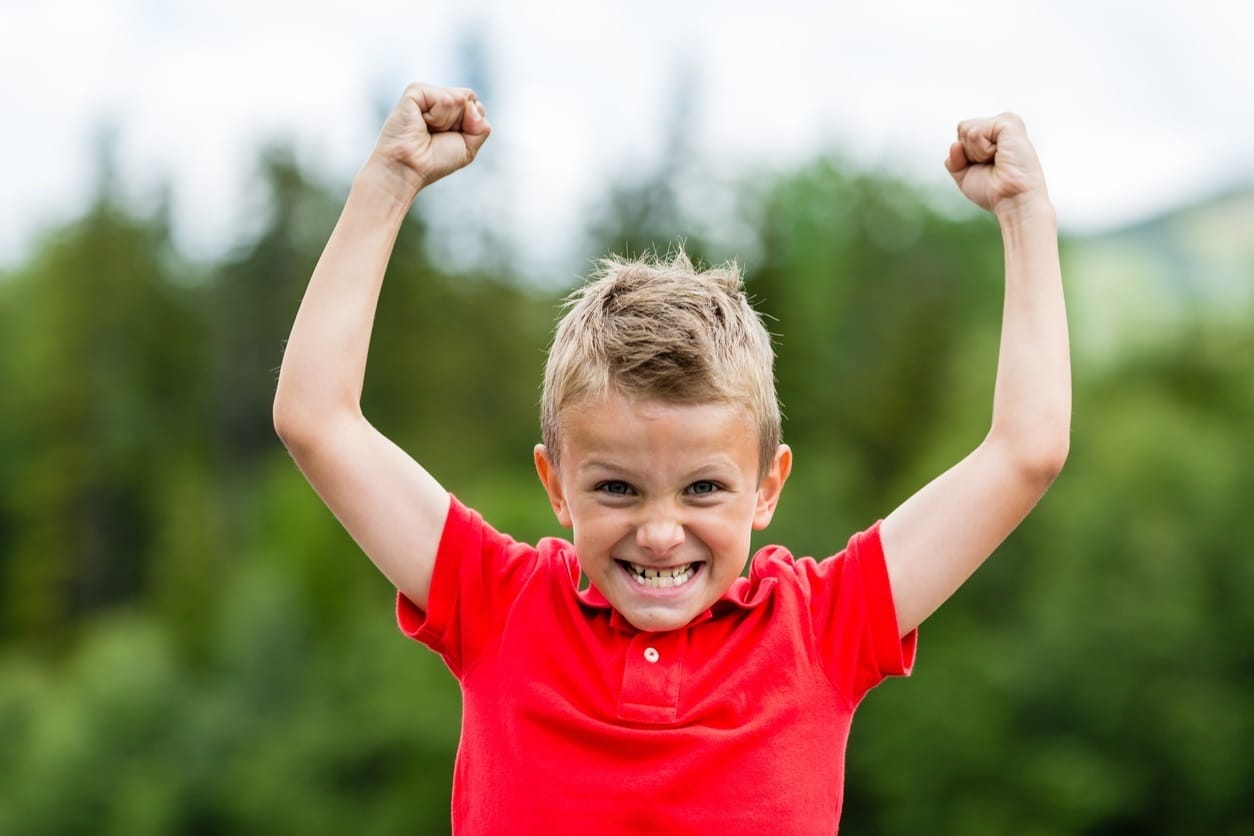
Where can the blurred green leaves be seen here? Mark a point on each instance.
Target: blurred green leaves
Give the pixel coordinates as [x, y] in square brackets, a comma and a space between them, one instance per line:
[190, 644]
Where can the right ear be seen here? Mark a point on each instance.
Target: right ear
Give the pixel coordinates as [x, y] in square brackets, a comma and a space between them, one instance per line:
[546, 469]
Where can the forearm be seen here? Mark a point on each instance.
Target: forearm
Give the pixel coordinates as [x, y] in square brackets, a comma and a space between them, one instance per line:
[324, 361]
[1032, 397]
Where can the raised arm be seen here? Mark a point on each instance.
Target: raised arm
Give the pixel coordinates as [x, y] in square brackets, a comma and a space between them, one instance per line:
[939, 536]
[390, 505]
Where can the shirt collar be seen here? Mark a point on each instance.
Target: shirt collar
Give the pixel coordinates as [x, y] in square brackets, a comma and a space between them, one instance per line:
[744, 593]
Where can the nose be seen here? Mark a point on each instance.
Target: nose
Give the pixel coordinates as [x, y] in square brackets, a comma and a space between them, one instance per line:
[661, 531]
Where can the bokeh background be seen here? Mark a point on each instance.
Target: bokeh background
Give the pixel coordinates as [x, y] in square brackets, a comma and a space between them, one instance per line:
[190, 644]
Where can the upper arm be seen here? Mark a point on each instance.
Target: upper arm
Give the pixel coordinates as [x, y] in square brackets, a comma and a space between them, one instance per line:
[390, 505]
[940, 535]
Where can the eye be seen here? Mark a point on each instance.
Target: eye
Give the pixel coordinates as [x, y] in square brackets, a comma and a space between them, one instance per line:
[614, 487]
[703, 488]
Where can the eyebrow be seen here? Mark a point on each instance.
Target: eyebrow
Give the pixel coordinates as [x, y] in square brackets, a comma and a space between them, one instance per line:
[701, 472]
[601, 464]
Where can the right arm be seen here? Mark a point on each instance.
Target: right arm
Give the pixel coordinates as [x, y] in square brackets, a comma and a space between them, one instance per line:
[393, 508]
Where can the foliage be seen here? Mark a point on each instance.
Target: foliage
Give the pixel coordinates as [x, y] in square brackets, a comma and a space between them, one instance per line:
[189, 643]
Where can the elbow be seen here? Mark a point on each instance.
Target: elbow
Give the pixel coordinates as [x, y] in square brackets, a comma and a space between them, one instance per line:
[1039, 460]
[305, 426]
[291, 424]
[284, 426]
[1045, 464]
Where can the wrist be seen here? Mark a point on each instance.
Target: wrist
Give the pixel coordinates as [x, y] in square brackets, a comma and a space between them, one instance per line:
[390, 180]
[1026, 210]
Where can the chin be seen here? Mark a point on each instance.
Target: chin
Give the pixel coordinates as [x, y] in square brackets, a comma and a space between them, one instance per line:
[658, 622]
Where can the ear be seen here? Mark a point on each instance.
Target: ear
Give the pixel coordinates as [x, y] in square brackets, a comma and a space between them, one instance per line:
[546, 469]
[771, 486]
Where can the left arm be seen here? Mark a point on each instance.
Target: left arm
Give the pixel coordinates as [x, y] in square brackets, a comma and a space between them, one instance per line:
[939, 536]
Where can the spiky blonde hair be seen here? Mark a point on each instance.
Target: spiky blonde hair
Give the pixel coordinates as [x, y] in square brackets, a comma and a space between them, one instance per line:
[659, 328]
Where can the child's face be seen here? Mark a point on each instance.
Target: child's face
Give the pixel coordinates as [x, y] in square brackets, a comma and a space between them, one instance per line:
[655, 488]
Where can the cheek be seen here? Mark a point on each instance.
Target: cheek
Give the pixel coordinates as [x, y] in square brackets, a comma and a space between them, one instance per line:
[597, 530]
[727, 533]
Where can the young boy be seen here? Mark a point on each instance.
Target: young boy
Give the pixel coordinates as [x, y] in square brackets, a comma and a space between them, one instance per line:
[670, 695]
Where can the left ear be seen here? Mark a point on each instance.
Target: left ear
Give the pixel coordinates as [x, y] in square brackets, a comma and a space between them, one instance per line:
[771, 486]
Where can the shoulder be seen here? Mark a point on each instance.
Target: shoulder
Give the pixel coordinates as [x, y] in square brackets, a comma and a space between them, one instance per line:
[772, 569]
[472, 543]
[777, 566]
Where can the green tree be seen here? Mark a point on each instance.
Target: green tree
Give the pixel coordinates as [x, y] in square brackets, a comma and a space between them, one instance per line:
[100, 347]
[886, 316]
[225, 657]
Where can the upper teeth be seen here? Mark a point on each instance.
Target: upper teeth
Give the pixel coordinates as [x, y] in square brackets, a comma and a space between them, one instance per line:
[674, 576]
[674, 571]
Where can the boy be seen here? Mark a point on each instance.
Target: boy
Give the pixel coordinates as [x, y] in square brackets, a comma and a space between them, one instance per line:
[671, 695]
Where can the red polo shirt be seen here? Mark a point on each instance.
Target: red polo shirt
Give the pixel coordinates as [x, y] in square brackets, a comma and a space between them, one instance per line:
[573, 721]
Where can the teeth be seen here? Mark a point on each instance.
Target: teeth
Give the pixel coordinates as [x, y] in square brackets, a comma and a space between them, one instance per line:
[661, 578]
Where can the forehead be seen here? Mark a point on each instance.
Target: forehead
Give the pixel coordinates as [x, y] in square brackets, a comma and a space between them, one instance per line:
[656, 435]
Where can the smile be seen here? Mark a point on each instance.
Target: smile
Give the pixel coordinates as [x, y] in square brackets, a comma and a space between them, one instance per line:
[661, 578]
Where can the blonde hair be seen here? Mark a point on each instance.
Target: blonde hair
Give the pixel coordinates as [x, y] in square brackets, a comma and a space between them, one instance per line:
[659, 328]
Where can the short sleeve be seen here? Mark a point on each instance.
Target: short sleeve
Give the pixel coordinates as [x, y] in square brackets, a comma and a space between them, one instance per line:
[854, 621]
[476, 574]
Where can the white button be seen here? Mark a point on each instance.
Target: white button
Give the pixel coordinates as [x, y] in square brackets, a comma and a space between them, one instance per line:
[651, 654]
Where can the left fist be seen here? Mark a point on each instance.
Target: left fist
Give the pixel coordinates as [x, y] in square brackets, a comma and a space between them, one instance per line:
[995, 165]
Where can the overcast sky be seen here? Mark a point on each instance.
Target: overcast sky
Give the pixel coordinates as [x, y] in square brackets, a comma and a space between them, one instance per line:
[1134, 106]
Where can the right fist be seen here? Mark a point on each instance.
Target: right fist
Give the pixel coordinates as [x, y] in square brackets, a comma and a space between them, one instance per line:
[433, 131]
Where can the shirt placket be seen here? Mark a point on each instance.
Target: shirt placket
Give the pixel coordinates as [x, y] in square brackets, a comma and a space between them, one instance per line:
[652, 676]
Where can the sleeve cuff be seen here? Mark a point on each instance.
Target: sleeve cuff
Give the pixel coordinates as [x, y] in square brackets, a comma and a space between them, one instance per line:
[894, 654]
[432, 626]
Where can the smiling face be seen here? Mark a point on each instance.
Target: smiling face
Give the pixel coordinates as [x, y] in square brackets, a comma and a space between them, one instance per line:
[661, 499]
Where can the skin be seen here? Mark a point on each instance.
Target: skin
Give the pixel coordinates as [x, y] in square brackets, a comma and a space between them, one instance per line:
[393, 508]
[661, 485]
[938, 537]
[658, 454]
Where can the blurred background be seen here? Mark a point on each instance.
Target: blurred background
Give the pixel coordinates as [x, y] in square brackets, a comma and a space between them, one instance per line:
[190, 644]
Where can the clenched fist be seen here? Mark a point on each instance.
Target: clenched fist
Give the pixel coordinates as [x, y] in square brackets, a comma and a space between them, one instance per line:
[995, 165]
[432, 131]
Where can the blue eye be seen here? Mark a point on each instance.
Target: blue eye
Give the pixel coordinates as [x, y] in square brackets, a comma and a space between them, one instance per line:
[614, 488]
[703, 488]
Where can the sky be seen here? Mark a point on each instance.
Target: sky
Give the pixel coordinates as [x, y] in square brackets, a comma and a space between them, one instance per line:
[1135, 107]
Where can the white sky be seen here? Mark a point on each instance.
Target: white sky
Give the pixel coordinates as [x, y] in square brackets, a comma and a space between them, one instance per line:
[1134, 106]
